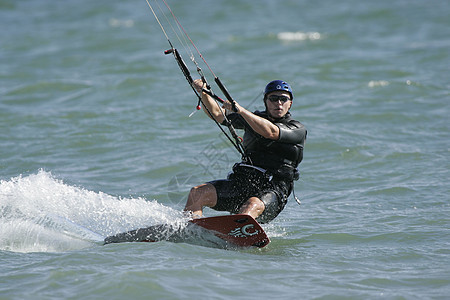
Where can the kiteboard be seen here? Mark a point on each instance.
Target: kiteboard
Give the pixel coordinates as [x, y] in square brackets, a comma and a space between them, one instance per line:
[225, 231]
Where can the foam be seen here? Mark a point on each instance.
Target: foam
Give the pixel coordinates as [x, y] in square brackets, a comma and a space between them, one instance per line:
[41, 213]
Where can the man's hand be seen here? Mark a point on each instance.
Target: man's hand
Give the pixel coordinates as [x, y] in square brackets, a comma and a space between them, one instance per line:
[198, 84]
[229, 106]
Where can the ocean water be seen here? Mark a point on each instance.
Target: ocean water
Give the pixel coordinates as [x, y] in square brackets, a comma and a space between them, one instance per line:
[96, 138]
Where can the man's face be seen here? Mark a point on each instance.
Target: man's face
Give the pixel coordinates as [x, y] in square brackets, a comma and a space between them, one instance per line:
[278, 103]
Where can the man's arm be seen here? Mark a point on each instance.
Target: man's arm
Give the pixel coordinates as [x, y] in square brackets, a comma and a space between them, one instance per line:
[260, 125]
[210, 104]
[292, 133]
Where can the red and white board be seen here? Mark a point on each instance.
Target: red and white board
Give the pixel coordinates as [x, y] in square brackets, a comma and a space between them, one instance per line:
[240, 230]
[232, 230]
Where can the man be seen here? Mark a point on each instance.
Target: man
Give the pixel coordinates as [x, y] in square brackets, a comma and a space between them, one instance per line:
[273, 143]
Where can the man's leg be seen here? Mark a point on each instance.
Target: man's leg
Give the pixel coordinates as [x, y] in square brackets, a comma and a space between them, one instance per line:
[253, 207]
[200, 196]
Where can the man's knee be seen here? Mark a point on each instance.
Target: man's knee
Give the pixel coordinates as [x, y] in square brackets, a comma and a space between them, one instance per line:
[272, 207]
[204, 194]
[256, 203]
[253, 206]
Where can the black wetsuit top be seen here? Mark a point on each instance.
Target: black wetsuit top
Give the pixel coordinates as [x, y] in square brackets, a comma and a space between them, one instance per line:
[272, 181]
[270, 154]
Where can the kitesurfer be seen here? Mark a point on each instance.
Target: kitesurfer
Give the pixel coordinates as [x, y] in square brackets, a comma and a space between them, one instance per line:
[273, 142]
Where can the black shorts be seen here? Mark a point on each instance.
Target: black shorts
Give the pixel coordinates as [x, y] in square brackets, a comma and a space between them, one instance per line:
[247, 182]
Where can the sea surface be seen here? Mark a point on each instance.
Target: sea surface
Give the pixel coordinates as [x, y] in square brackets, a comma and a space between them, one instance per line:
[96, 138]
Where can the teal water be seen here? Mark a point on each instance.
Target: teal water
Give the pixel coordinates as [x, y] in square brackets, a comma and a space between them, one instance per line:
[96, 138]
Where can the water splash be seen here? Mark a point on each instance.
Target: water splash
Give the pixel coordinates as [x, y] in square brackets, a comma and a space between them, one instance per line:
[39, 213]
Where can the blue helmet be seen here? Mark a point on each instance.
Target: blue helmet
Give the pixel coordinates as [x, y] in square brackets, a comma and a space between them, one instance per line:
[278, 85]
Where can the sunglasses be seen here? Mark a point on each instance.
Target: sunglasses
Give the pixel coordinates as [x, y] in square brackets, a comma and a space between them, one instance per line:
[275, 98]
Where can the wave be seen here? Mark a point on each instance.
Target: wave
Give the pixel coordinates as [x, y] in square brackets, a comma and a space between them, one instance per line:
[299, 36]
[39, 213]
